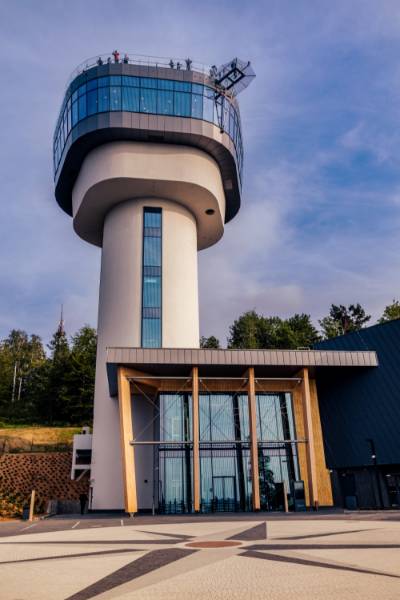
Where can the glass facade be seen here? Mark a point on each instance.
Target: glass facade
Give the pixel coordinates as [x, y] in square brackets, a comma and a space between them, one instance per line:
[151, 278]
[145, 95]
[225, 465]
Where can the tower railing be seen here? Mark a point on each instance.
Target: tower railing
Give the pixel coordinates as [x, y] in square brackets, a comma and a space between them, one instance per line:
[183, 64]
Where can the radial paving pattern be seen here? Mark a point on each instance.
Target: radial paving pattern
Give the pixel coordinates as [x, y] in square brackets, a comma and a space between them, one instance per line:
[205, 558]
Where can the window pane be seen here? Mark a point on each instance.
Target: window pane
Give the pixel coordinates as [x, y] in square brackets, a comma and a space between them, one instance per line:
[151, 333]
[92, 102]
[152, 251]
[130, 99]
[104, 99]
[103, 81]
[148, 82]
[152, 218]
[92, 85]
[115, 80]
[197, 106]
[82, 107]
[82, 89]
[208, 109]
[165, 84]
[130, 81]
[197, 88]
[165, 102]
[115, 98]
[151, 291]
[182, 104]
[74, 113]
[148, 101]
[182, 86]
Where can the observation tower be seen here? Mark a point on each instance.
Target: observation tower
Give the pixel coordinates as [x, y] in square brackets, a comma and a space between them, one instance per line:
[148, 162]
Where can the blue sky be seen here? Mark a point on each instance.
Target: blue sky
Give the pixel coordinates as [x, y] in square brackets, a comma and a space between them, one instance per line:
[320, 217]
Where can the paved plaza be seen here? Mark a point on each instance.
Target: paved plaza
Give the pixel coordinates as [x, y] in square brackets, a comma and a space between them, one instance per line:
[231, 557]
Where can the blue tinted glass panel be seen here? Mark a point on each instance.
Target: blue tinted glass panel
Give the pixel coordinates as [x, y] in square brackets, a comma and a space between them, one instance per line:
[74, 113]
[165, 102]
[151, 333]
[151, 279]
[197, 106]
[148, 101]
[82, 107]
[152, 218]
[115, 98]
[148, 82]
[182, 104]
[104, 99]
[208, 109]
[151, 291]
[182, 86]
[130, 99]
[155, 97]
[92, 85]
[165, 84]
[152, 251]
[130, 81]
[92, 102]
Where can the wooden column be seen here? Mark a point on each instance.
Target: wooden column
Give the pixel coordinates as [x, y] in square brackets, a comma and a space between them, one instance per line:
[126, 434]
[196, 439]
[251, 392]
[309, 433]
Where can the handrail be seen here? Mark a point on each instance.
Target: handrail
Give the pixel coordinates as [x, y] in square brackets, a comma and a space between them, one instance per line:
[141, 60]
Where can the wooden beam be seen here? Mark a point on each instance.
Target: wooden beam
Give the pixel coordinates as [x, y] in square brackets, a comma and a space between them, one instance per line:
[196, 439]
[309, 433]
[251, 392]
[126, 435]
[134, 374]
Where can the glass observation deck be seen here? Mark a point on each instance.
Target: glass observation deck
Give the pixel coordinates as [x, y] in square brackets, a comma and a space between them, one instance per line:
[90, 93]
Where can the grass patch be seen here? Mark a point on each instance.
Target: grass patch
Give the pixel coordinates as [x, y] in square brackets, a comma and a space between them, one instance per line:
[24, 439]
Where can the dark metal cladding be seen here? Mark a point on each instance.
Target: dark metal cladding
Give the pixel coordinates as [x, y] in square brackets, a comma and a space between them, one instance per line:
[109, 126]
[364, 403]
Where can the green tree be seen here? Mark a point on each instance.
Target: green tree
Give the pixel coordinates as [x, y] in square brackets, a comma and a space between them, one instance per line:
[391, 312]
[305, 333]
[342, 320]
[20, 355]
[247, 331]
[209, 342]
[58, 375]
[82, 375]
[252, 330]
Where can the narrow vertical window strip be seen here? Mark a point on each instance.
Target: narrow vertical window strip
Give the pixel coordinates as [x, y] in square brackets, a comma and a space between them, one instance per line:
[151, 334]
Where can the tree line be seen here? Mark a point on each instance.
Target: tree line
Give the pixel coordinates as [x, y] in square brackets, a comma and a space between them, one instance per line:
[252, 330]
[55, 386]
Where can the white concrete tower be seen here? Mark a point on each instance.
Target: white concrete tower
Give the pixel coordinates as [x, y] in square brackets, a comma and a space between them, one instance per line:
[148, 163]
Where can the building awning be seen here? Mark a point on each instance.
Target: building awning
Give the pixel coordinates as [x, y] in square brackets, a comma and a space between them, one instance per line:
[232, 363]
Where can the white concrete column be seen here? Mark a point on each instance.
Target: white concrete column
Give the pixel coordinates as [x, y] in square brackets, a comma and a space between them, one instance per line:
[119, 317]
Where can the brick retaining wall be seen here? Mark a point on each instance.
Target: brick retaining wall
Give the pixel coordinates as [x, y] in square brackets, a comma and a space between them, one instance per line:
[49, 473]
